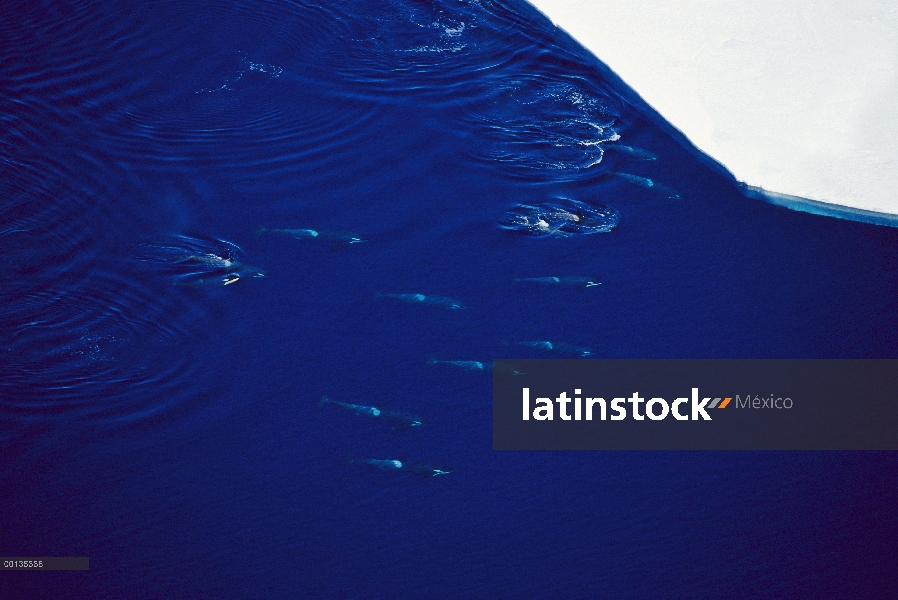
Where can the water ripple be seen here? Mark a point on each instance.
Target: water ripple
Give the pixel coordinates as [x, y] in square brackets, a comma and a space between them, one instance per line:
[431, 48]
[538, 126]
[90, 348]
[113, 340]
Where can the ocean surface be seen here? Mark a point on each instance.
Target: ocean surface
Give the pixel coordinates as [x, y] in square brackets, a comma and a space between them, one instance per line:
[212, 214]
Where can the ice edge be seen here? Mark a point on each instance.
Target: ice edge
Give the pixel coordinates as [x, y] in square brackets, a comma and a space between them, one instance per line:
[796, 203]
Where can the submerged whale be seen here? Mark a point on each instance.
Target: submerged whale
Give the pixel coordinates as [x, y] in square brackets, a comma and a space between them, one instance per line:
[223, 277]
[404, 466]
[467, 365]
[637, 152]
[435, 301]
[210, 260]
[196, 262]
[336, 237]
[562, 348]
[584, 282]
[400, 420]
[649, 184]
[562, 217]
[477, 366]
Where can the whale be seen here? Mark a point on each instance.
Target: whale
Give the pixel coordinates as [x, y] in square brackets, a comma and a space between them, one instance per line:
[416, 468]
[648, 183]
[320, 235]
[562, 348]
[584, 282]
[210, 260]
[224, 277]
[562, 217]
[477, 366]
[632, 151]
[435, 301]
[400, 420]
[196, 262]
[466, 365]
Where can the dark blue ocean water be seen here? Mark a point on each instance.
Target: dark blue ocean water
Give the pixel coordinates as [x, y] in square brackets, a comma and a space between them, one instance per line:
[161, 359]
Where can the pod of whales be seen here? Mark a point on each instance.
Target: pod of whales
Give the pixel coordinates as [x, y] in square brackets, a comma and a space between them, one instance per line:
[200, 263]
